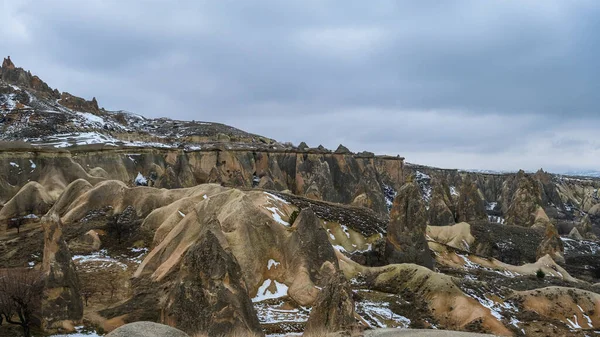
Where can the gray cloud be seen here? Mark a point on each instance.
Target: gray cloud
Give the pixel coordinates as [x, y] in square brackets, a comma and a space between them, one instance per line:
[470, 84]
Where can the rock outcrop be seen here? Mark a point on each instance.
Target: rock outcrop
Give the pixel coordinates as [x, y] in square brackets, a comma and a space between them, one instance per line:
[210, 295]
[525, 201]
[552, 245]
[406, 241]
[440, 207]
[333, 310]
[62, 305]
[470, 205]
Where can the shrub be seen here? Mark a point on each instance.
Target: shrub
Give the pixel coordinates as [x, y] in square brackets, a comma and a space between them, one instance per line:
[293, 217]
[540, 274]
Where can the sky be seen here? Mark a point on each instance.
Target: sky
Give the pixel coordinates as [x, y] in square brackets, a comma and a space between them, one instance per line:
[499, 85]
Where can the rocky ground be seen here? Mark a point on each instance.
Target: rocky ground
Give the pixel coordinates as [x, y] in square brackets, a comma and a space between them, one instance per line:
[216, 231]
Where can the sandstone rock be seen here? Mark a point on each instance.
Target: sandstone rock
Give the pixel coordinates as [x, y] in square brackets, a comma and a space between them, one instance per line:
[342, 150]
[333, 310]
[552, 245]
[524, 202]
[146, 329]
[62, 303]
[33, 198]
[86, 243]
[469, 205]
[79, 104]
[406, 241]
[8, 64]
[303, 146]
[210, 295]
[574, 234]
[439, 213]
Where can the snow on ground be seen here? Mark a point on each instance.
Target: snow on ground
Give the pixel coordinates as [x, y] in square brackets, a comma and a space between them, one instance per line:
[377, 313]
[14, 164]
[496, 219]
[272, 314]
[90, 118]
[276, 213]
[100, 259]
[273, 196]
[424, 180]
[581, 247]
[345, 230]
[80, 332]
[453, 191]
[140, 180]
[33, 165]
[272, 263]
[490, 206]
[264, 293]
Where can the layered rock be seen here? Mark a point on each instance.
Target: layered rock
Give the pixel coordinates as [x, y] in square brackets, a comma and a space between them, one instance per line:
[406, 241]
[524, 202]
[333, 310]
[440, 207]
[551, 245]
[62, 305]
[470, 205]
[210, 295]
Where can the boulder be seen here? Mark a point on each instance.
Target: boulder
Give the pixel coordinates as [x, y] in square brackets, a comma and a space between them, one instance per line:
[62, 304]
[406, 241]
[333, 310]
[146, 329]
[210, 295]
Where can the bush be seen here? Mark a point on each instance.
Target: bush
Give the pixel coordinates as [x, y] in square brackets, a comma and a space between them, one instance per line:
[540, 274]
[293, 217]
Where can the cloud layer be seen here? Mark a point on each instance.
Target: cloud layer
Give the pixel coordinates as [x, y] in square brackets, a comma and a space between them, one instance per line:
[466, 84]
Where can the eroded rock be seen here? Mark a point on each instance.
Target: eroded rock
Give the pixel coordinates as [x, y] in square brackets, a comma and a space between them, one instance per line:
[406, 241]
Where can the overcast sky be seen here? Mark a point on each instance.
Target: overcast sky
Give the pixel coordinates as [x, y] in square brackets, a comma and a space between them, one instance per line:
[460, 84]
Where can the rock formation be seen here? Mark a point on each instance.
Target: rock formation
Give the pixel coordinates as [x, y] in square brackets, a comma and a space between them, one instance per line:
[470, 206]
[439, 212]
[525, 201]
[406, 232]
[210, 295]
[551, 245]
[333, 310]
[62, 305]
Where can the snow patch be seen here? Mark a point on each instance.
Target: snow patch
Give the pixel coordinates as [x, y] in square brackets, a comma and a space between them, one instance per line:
[272, 263]
[14, 164]
[264, 293]
[140, 180]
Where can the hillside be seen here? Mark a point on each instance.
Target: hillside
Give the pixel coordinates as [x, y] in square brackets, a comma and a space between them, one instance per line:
[213, 230]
